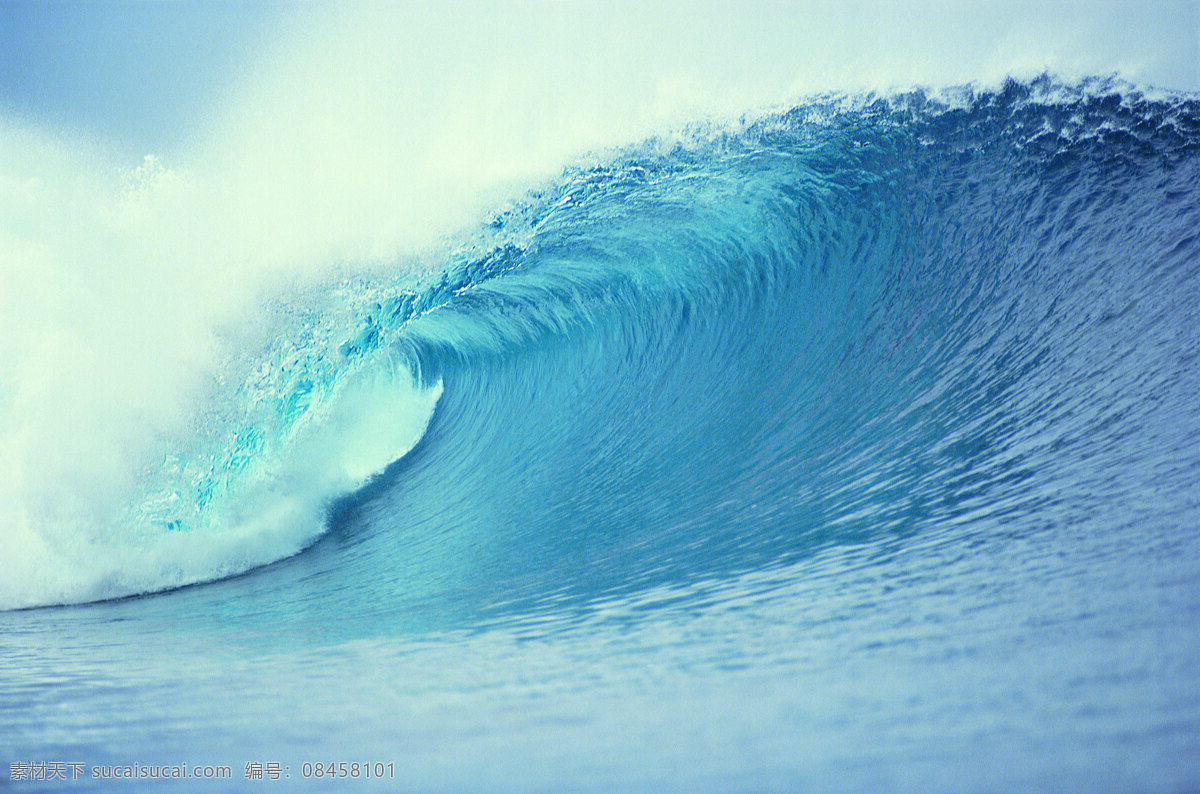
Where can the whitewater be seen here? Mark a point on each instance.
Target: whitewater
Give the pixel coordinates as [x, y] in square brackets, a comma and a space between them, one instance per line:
[697, 417]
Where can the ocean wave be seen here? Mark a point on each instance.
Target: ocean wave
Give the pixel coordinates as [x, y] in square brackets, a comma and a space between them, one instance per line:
[862, 314]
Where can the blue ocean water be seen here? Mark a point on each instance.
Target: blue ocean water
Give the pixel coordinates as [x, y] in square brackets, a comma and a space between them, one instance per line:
[855, 445]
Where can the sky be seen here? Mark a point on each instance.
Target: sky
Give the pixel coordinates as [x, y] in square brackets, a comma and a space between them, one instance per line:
[134, 73]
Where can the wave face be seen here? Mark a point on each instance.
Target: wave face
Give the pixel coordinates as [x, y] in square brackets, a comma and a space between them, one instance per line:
[851, 445]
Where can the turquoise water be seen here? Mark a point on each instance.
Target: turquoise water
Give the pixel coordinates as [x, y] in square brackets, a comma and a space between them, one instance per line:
[850, 446]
